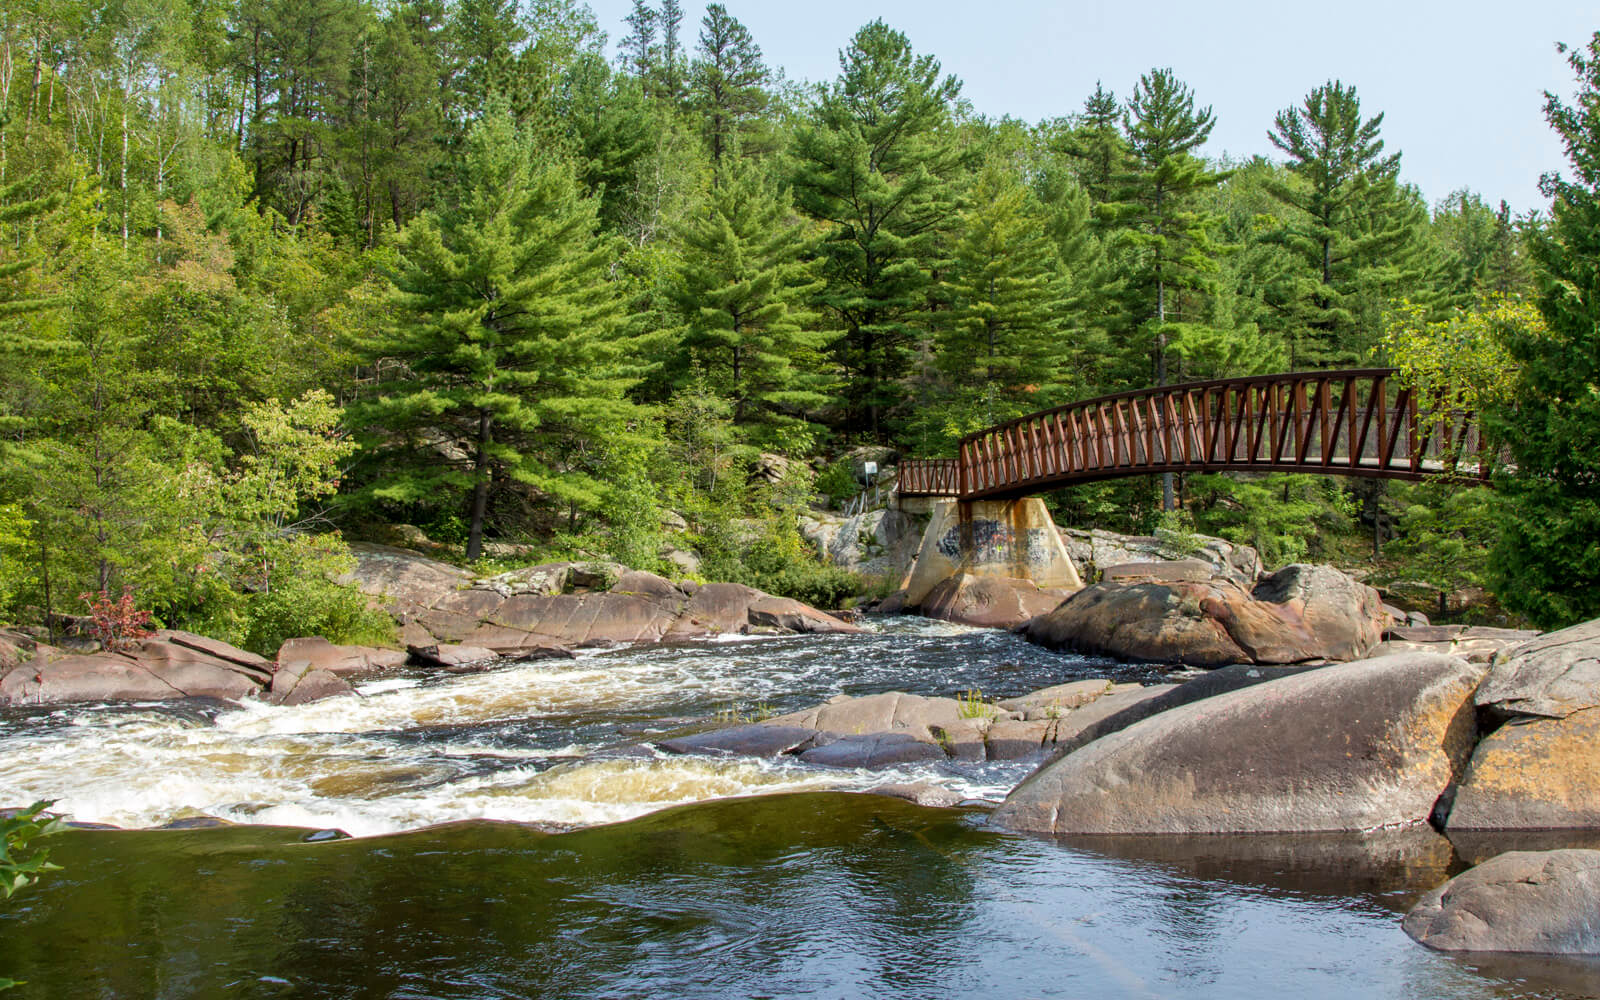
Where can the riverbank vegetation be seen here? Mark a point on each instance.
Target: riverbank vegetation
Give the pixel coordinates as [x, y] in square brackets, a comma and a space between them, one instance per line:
[274, 270]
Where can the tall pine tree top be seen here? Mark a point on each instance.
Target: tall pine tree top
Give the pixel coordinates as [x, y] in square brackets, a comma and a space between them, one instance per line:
[875, 163]
[1354, 229]
[742, 291]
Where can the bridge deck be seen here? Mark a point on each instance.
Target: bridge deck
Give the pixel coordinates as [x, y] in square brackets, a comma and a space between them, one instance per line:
[1358, 422]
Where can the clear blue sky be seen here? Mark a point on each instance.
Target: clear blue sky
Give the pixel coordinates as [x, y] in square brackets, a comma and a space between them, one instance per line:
[1460, 84]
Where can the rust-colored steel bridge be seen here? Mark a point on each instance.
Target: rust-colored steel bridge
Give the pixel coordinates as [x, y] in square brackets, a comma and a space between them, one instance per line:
[1359, 422]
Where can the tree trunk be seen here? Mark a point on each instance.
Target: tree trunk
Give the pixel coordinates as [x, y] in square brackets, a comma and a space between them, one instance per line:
[480, 488]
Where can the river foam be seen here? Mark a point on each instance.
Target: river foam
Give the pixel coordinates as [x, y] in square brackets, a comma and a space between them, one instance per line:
[514, 744]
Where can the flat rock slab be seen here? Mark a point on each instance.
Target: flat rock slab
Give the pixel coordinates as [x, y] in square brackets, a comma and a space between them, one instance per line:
[1051, 702]
[1347, 747]
[339, 659]
[874, 750]
[755, 740]
[1531, 902]
[1135, 705]
[1533, 774]
[165, 666]
[1470, 642]
[1551, 676]
[1089, 722]
[449, 655]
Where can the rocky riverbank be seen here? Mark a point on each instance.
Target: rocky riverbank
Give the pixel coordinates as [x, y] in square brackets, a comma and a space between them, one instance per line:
[446, 617]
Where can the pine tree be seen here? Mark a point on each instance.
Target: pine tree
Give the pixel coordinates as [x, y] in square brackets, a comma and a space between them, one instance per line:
[1165, 238]
[638, 51]
[20, 300]
[1097, 144]
[875, 164]
[728, 81]
[742, 287]
[508, 365]
[1155, 211]
[669, 84]
[1547, 564]
[1005, 295]
[1354, 228]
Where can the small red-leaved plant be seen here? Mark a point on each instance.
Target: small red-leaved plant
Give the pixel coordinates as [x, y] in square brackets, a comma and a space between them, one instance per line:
[116, 624]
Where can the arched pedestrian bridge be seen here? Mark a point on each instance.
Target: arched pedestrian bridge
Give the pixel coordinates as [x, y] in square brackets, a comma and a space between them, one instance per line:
[1357, 422]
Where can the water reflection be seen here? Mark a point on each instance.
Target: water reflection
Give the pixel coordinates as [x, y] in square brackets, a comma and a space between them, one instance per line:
[813, 895]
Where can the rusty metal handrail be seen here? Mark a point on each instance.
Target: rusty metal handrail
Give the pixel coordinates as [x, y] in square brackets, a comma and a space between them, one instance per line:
[1352, 422]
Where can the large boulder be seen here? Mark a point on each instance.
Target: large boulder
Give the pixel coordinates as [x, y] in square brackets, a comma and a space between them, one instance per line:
[989, 601]
[1349, 747]
[1551, 676]
[1299, 614]
[1533, 774]
[1346, 616]
[1522, 901]
[299, 682]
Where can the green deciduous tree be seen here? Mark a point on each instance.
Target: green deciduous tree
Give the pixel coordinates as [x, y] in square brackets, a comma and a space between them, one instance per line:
[510, 365]
[1547, 564]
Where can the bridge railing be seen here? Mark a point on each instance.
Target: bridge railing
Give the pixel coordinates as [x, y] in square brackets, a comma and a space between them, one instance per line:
[929, 477]
[1358, 422]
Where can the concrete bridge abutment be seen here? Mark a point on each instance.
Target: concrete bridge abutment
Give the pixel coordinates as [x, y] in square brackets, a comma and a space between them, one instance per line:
[1008, 539]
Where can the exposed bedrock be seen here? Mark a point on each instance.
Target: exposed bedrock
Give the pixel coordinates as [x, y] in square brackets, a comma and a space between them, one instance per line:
[1346, 747]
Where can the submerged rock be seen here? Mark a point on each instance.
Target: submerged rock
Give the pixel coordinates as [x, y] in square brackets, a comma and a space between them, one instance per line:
[1347, 747]
[1540, 902]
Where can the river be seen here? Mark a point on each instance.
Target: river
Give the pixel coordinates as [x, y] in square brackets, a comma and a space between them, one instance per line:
[505, 844]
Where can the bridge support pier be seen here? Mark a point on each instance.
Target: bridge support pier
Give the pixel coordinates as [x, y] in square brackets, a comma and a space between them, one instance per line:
[1015, 539]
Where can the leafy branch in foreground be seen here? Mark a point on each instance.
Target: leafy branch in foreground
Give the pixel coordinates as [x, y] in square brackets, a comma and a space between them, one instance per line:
[19, 868]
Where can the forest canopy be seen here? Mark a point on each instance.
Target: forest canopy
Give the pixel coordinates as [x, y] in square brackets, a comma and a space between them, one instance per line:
[277, 273]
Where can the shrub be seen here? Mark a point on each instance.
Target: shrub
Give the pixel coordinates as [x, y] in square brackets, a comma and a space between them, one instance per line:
[837, 482]
[314, 607]
[116, 624]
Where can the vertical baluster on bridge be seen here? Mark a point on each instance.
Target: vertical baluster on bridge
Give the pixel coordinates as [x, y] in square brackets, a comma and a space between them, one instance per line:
[1380, 393]
[1351, 396]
